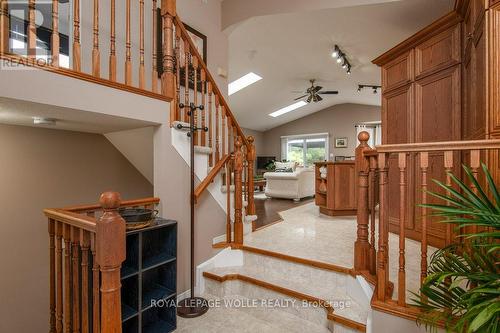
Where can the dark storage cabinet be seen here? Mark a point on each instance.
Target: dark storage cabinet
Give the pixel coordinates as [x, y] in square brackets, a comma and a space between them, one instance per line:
[149, 274]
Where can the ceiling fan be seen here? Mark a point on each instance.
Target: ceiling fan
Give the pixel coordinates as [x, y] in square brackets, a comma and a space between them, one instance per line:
[313, 93]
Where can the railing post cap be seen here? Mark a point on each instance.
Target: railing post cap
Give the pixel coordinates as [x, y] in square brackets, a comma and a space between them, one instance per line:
[251, 139]
[363, 136]
[110, 200]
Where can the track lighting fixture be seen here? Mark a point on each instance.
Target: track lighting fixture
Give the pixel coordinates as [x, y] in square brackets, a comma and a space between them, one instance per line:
[341, 59]
[374, 87]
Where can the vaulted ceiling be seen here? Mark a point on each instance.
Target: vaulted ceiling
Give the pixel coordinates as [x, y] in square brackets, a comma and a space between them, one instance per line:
[289, 49]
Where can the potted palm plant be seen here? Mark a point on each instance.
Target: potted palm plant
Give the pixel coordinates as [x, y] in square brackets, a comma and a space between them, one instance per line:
[462, 290]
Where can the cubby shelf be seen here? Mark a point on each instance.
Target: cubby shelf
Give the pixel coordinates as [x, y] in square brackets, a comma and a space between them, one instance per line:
[150, 273]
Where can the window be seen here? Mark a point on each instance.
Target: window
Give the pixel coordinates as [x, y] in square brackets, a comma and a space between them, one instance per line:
[375, 131]
[305, 149]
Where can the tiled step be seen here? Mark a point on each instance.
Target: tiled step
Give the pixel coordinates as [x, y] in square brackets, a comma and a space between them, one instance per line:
[202, 150]
[297, 280]
[230, 318]
[181, 126]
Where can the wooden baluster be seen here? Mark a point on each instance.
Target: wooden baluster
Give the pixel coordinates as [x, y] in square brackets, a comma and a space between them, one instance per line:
[204, 103]
[154, 74]
[168, 12]
[228, 199]
[362, 246]
[96, 54]
[55, 41]
[210, 125]
[195, 98]
[178, 56]
[424, 165]
[31, 29]
[382, 255]
[230, 134]
[96, 300]
[251, 156]
[112, 47]
[402, 229]
[128, 45]
[59, 278]
[77, 61]
[238, 168]
[223, 130]
[4, 26]
[475, 164]
[110, 242]
[245, 177]
[187, 57]
[141, 46]
[372, 204]
[52, 276]
[217, 151]
[75, 258]
[448, 167]
[67, 278]
[85, 245]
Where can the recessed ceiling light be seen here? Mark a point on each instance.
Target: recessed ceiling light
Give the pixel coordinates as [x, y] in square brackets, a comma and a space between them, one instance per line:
[287, 109]
[44, 121]
[243, 82]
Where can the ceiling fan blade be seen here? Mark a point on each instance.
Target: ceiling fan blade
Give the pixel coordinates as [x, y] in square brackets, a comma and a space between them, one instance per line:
[317, 98]
[317, 88]
[296, 99]
[330, 92]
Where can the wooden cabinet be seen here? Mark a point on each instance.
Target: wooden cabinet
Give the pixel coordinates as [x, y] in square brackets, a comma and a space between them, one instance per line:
[441, 84]
[336, 188]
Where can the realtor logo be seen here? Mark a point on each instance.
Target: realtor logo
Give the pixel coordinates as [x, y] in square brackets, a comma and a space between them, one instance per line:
[30, 32]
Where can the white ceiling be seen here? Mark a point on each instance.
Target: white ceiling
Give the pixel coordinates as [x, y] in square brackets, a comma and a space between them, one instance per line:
[289, 49]
[16, 112]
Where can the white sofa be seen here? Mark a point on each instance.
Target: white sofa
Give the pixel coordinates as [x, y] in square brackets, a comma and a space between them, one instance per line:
[290, 185]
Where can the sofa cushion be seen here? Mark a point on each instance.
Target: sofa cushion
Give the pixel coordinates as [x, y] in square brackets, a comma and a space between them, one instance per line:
[285, 166]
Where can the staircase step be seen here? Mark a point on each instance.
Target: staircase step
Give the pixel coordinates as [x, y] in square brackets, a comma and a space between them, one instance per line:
[181, 126]
[250, 218]
[202, 150]
[227, 318]
[223, 188]
[293, 279]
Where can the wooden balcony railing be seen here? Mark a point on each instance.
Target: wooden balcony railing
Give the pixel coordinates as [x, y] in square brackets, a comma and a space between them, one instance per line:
[43, 45]
[187, 80]
[412, 164]
[86, 250]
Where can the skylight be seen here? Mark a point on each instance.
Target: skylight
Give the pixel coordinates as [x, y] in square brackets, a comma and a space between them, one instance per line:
[243, 82]
[287, 109]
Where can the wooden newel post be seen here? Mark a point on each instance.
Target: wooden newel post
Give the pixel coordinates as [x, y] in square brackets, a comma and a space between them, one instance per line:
[251, 161]
[168, 12]
[110, 253]
[362, 246]
[4, 26]
[238, 200]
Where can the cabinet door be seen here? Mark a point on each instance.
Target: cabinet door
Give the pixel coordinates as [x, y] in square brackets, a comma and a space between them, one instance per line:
[437, 53]
[437, 119]
[397, 119]
[494, 70]
[345, 188]
[398, 72]
[437, 109]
